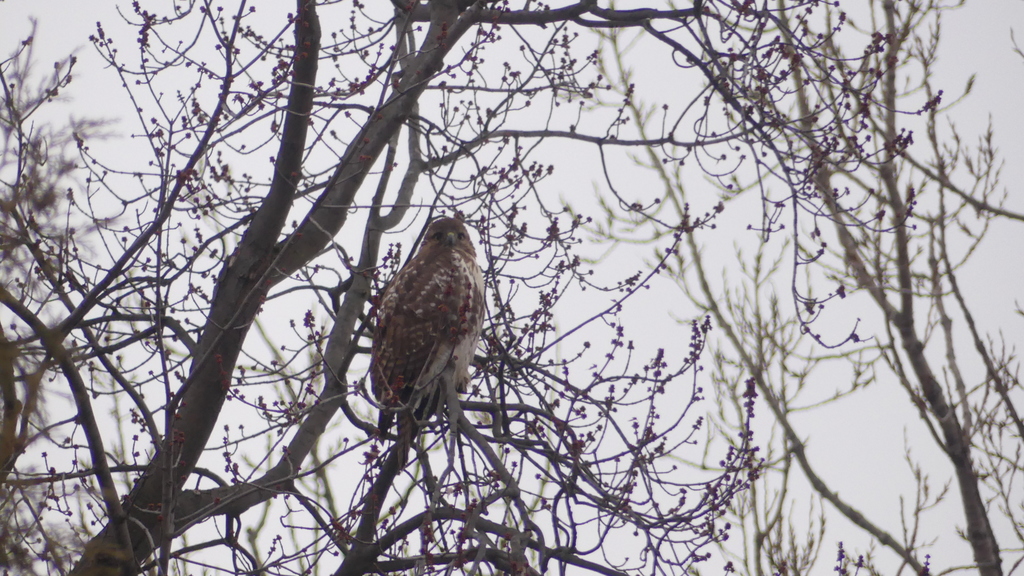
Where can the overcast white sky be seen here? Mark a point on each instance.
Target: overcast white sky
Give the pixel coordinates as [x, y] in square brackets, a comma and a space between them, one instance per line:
[977, 41]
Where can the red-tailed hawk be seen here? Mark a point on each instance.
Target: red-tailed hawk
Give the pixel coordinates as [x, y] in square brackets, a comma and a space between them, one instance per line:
[428, 324]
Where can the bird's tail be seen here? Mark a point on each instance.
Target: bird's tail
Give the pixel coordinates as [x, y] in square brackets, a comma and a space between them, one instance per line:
[407, 430]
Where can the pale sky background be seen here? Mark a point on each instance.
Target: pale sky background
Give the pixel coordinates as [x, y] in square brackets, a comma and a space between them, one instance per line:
[977, 41]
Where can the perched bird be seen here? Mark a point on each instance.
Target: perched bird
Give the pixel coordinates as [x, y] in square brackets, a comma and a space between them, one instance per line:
[429, 320]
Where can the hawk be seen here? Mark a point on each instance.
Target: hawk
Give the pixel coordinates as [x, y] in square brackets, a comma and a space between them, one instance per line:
[429, 320]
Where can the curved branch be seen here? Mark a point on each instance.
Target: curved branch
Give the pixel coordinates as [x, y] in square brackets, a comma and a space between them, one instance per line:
[237, 298]
[52, 341]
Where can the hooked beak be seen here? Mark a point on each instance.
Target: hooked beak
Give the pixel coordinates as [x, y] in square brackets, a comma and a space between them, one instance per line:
[450, 239]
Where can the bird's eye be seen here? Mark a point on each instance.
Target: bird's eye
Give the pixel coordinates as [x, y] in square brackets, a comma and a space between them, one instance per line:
[438, 236]
[462, 236]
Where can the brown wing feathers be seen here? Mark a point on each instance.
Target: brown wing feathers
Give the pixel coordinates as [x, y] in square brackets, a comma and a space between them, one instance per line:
[402, 345]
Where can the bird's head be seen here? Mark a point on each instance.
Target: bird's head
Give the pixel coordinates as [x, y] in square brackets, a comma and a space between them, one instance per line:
[448, 233]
